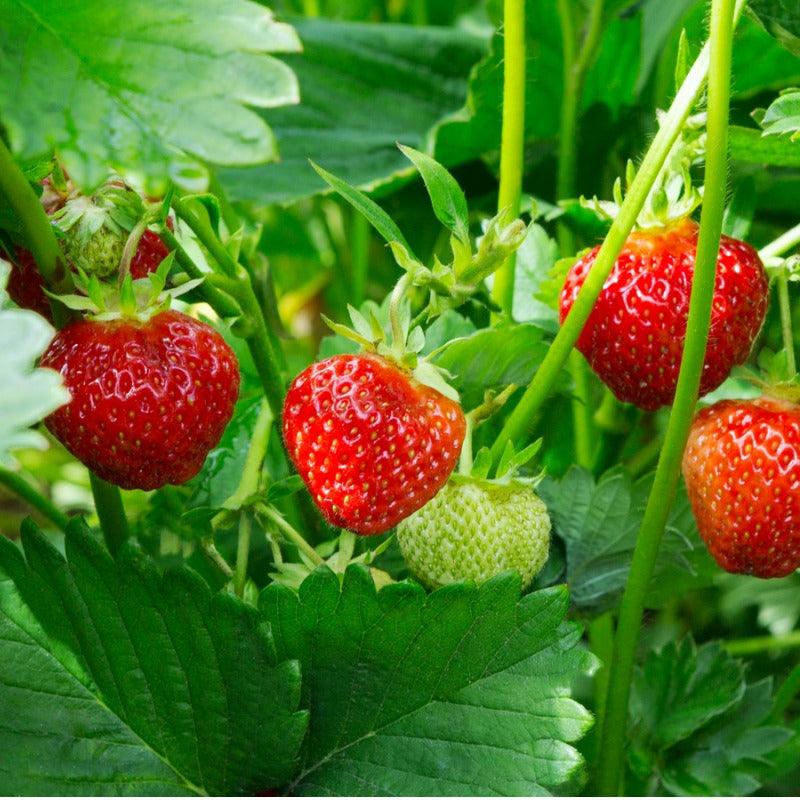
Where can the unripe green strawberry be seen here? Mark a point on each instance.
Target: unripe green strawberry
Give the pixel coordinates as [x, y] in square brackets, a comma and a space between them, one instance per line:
[475, 529]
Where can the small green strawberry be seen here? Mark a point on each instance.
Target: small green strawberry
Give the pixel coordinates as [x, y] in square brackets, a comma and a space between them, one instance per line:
[477, 527]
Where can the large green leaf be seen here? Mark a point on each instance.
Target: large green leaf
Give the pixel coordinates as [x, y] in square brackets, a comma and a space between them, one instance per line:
[599, 522]
[141, 85]
[493, 358]
[465, 691]
[363, 88]
[28, 394]
[697, 726]
[116, 680]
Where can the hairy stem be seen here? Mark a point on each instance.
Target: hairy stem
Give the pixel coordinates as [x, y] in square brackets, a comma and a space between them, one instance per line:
[20, 487]
[519, 424]
[512, 146]
[612, 742]
[110, 512]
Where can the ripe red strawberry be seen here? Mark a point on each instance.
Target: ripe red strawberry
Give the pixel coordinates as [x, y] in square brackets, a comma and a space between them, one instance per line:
[371, 443]
[742, 472]
[149, 399]
[634, 336]
[25, 285]
[149, 254]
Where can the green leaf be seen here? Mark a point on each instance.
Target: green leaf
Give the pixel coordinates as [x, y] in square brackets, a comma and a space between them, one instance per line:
[364, 87]
[117, 680]
[535, 259]
[697, 726]
[374, 214]
[493, 358]
[781, 18]
[140, 86]
[447, 198]
[28, 393]
[599, 522]
[776, 601]
[783, 116]
[464, 691]
[751, 146]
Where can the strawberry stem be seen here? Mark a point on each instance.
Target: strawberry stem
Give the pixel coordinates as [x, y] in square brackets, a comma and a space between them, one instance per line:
[17, 484]
[786, 324]
[576, 62]
[760, 644]
[777, 247]
[37, 229]
[519, 424]
[512, 146]
[242, 554]
[613, 734]
[291, 534]
[110, 512]
[209, 550]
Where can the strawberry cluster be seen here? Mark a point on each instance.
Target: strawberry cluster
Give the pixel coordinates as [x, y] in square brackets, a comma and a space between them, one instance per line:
[152, 390]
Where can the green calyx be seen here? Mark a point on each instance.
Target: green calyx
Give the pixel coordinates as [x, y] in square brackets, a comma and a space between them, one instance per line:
[402, 347]
[95, 227]
[132, 299]
[673, 196]
[473, 530]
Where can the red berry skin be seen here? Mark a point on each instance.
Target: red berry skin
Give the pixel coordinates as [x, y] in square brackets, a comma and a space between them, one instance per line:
[149, 254]
[149, 399]
[742, 473]
[25, 285]
[372, 444]
[634, 336]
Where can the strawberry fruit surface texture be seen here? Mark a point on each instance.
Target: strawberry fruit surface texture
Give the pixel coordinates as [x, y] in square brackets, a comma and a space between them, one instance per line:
[149, 399]
[742, 471]
[371, 443]
[634, 336]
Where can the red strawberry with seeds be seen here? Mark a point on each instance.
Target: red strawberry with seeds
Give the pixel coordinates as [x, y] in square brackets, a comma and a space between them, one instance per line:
[372, 444]
[149, 398]
[634, 336]
[149, 254]
[25, 285]
[742, 473]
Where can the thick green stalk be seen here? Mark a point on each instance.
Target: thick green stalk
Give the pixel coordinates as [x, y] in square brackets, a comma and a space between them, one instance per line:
[259, 341]
[219, 301]
[519, 424]
[512, 146]
[575, 66]
[242, 554]
[786, 324]
[612, 742]
[110, 512]
[36, 226]
[601, 641]
[359, 248]
[761, 644]
[19, 486]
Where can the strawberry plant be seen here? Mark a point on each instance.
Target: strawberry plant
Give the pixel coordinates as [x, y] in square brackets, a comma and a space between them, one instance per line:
[400, 398]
